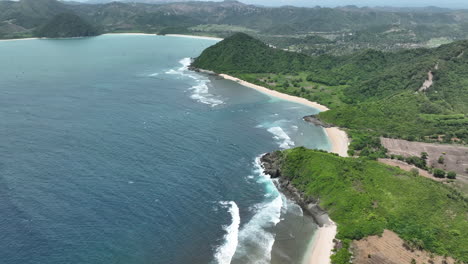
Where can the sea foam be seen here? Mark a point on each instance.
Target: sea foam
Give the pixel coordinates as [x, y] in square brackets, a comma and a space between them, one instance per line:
[226, 251]
[255, 237]
[200, 91]
[284, 140]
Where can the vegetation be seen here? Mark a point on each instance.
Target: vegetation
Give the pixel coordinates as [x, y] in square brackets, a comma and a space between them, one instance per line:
[452, 175]
[365, 197]
[371, 93]
[439, 173]
[66, 25]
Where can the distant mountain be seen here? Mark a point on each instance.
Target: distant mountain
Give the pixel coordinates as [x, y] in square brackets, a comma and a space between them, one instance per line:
[66, 25]
[131, 1]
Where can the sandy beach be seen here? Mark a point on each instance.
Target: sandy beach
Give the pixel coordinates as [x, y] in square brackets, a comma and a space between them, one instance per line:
[270, 92]
[321, 246]
[192, 36]
[130, 34]
[1, 40]
[339, 140]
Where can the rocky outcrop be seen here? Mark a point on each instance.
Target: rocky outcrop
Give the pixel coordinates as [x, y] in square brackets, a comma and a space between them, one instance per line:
[272, 163]
[313, 119]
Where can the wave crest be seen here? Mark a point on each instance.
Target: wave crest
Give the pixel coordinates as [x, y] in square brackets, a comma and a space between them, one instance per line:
[227, 250]
[200, 91]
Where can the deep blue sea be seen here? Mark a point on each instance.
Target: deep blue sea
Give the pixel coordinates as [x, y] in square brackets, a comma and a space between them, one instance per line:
[111, 151]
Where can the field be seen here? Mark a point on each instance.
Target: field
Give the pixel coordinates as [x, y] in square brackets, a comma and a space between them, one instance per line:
[455, 158]
[390, 249]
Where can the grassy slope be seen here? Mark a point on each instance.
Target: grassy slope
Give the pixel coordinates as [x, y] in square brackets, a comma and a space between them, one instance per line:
[364, 197]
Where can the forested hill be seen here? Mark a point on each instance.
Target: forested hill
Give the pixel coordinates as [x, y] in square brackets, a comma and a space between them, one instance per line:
[371, 90]
[67, 25]
[241, 53]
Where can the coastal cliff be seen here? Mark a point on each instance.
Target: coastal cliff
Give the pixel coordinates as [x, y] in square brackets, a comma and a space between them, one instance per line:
[271, 163]
[364, 198]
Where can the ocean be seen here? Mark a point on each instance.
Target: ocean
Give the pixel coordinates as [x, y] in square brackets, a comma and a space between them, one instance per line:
[111, 151]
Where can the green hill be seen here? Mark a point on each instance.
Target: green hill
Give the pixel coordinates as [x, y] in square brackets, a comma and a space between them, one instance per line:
[66, 25]
[365, 197]
[372, 91]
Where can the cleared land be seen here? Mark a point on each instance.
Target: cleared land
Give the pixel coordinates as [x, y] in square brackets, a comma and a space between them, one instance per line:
[455, 157]
[390, 249]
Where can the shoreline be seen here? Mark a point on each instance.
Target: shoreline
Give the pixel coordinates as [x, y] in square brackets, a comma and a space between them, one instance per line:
[17, 39]
[129, 34]
[276, 94]
[338, 138]
[192, 36]
[321, 245]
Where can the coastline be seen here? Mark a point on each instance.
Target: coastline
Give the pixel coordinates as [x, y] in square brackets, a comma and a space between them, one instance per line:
[131, 34]
[2, 40]
[193, 36]
[277, 94]
[338, 138]
[321, 245]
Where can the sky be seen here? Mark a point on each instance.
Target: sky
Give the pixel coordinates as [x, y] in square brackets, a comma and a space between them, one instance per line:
[371, 3]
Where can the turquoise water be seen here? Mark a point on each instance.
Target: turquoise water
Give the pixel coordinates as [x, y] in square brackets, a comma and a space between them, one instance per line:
[112, 152]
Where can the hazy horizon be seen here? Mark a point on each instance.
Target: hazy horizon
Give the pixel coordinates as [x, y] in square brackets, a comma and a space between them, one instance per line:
[360, 3]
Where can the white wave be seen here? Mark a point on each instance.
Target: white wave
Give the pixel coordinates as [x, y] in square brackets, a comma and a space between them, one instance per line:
[255, 238]
[202, 95]
[200, 91]
[226, 251]
[154, 74]
[284, 140]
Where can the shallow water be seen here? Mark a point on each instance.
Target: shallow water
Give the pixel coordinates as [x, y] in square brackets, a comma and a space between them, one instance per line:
[112, 152]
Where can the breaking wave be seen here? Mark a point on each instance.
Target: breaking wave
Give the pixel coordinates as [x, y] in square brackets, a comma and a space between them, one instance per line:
[227, 250]
[284, 140]
[256, 238]
[200, 91]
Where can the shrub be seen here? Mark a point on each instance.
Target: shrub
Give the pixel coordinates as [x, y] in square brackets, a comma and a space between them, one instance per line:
[452, 175]
[439, 173]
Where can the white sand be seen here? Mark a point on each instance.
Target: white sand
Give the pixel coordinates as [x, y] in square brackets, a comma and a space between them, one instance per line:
[130, 34]
[192, 36]
[18, 39]
[339, 140]
[321, 247]
[270, 92]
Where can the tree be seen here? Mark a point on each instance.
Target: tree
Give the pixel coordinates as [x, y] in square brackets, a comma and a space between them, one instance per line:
[424, 155]
[452, 175]
[439, 173]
